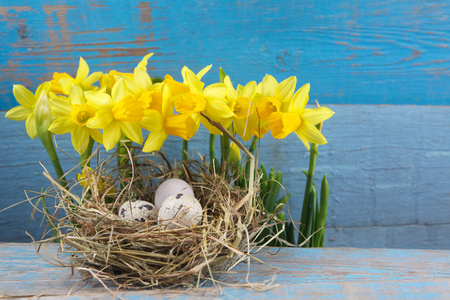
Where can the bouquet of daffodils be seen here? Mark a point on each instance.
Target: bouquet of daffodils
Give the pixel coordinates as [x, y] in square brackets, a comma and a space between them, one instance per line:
[148, 222]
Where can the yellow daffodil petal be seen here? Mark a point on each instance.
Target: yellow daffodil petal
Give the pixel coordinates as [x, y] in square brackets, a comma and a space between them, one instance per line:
[143, 63]
[18, 113]
[241, 126]
[268, 86]
[66, 83]
[195, 85]
[91, 79]
[96, 135]
[76, 95]
[43, 87]
[24, 96]
[30, 125]
[132, 131]
[211, 128]
[142, 79]
[286, 89]
[98, 100]
[282, 124]
[300, 99]
[155, 140]
[175, 86]
[80, 138]
[215, 91]
[55, 85]
[310, 133]
[119, 90]
[317, 115]
[82, 72]
[203, 71]
[111, 135]
[217, 109]
[249, 90]
[102, 119]
[231, 92]
[303, 139]
[153, 120]
[62, 125]
[60, 106]
[180, 125]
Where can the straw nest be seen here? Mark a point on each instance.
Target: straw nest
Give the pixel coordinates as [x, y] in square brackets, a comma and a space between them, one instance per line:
[138, 255]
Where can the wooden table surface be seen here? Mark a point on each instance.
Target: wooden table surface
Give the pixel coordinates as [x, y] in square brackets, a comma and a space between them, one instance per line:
[327, 273]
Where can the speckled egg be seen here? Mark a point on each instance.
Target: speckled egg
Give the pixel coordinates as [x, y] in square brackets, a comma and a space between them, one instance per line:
[138, 210]
[171, 187]
[180, 209]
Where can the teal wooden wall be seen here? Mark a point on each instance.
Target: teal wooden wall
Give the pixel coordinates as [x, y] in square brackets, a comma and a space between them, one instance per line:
[382, 67]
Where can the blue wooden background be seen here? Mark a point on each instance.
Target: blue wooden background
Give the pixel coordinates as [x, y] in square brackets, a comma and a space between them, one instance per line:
[382, 67]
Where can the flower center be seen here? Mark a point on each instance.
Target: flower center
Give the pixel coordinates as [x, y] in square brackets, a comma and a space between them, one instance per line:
[266, 106]
[242, 107]
[82, 113]
[188, 103]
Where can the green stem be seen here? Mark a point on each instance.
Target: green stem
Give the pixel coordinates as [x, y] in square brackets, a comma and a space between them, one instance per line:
[86, 154]
[123, 158]
[225, 152]
[184, 153]
[46, 139]
[313, 152]
[212, 153]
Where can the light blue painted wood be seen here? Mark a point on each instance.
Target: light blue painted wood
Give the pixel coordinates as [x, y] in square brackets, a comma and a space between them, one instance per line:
[388, 169]
[337, 273]
[350, 51]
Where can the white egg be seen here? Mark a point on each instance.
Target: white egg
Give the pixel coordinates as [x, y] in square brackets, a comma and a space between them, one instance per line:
[138, 210]
[180, 209]
[171, 187]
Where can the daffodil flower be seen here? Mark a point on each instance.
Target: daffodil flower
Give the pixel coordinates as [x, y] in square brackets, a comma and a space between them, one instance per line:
[163, 123]
[300, 120]
[271, 97]
[25, 111]
[116, 114]
[241, 103]
[73, 114]
[62, 82]
[274, 96]
[210, 100]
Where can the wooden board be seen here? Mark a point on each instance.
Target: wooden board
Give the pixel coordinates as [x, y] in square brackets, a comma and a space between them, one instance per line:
[345, 273]
[350, 51]
[387, 166]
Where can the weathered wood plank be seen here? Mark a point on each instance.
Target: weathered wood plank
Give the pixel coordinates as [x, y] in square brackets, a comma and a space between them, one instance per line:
[346, 273]
[350, 51]
[388, 170]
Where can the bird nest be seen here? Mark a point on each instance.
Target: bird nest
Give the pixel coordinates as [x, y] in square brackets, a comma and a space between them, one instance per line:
[135, 254]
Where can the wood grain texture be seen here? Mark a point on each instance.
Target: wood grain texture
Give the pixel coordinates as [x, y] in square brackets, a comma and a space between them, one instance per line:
[338, 273]
[350, 51]
[388, 169]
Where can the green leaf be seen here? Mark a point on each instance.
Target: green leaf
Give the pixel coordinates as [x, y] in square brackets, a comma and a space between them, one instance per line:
[323, 211]
[290, 233]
